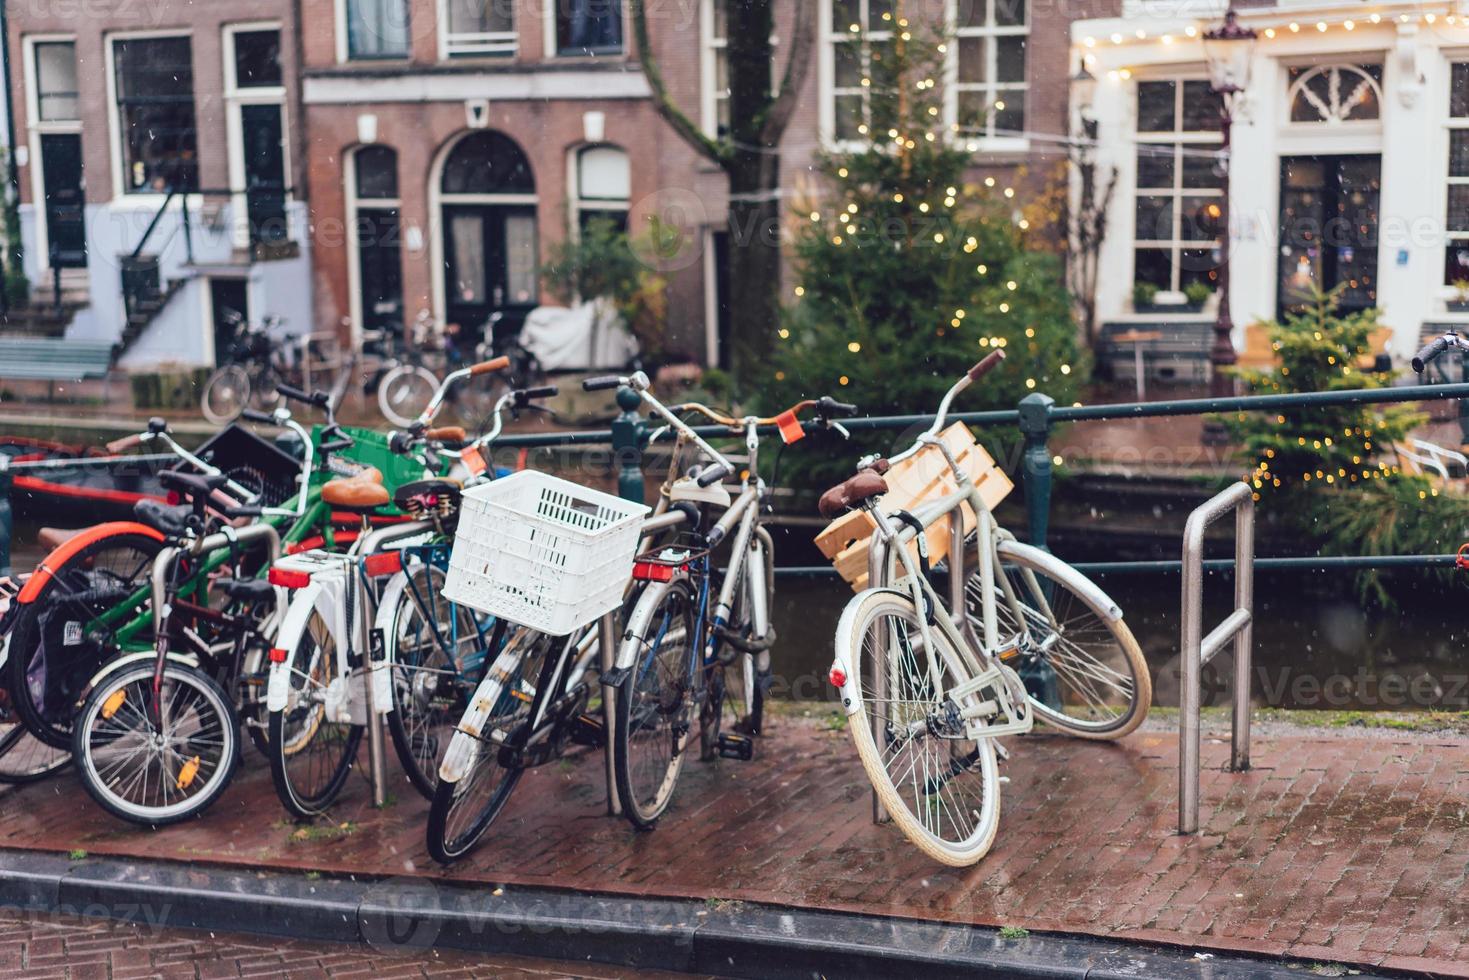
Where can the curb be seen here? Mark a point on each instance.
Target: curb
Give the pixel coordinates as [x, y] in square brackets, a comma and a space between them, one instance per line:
[728, 939]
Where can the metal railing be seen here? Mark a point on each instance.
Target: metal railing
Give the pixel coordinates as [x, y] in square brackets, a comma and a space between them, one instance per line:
[1197, 649]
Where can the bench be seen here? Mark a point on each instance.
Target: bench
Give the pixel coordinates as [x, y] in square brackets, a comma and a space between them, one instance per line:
[53, 359]
[1179, 354]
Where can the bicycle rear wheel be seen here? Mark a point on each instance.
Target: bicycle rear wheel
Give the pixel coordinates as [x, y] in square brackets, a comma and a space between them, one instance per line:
[656, 704]
[313, 743]
[404, 393]
[942, 790]
[226, 394]
[71, 627]
[25, 758]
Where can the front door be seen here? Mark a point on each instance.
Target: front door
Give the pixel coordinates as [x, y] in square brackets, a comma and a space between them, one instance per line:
[1328, 229]
[64, 189]
[490, 265]
[265, 172]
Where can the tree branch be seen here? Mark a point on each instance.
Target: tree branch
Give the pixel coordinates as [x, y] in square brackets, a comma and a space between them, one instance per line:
[798, 64]
[691, 134]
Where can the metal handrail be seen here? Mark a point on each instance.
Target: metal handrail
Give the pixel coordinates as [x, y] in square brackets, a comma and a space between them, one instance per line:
[1198, 649]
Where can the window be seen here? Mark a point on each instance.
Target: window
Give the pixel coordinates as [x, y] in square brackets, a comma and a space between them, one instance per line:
[987, 69]
[1177, 210]
[56, 80]
[376, 238]
[1335, 93]
[588, 27]
[487, 163]
[377, 28]
[476, 28]
[861, 36]
[258, 59]
[603, 186]
[1456, 253]
[716, 69]
[255, 100]
[155, 111]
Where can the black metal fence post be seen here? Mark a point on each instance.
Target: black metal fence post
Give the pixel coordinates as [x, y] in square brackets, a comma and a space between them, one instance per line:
[627, 445]
[1035, 426]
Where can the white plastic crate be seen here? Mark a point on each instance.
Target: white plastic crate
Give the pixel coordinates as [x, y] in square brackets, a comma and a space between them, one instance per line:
[543, 552]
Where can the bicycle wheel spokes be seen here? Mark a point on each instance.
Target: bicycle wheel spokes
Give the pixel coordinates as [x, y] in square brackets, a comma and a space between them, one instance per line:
[656, 708]
[314, 741]
[941, 786]
[25, 758]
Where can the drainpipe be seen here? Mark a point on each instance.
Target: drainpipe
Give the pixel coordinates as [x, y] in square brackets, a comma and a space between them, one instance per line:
[12, 172]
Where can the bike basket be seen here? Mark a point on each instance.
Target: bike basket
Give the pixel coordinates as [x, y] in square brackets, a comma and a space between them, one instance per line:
[543, 552]
[252, 462]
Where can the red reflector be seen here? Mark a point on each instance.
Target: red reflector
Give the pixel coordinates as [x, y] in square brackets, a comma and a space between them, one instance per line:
[173, 498]
[288, 578]
[652, 571]
[383, 563]
[278, 655]
[838, 677]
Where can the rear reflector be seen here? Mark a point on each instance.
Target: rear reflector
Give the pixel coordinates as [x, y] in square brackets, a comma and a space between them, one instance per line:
[838, 677]
[383, 563]
[278, 655]
[288, 578]
[652, 571]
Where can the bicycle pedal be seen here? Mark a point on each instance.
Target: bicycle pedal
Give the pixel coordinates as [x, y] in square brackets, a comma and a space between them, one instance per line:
[733, 746]
[588, 730]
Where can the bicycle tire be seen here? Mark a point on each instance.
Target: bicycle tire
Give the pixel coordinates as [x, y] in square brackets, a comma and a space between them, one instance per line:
[1081, 668]
[121, 701]
[84, 581]
[903, 724]
[25, 758]
[656, 707]
[404, 393]
[226, 394]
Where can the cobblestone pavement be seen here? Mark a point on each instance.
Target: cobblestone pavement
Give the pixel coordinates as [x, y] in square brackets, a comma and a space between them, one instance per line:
[1337, 849]
[42, 947]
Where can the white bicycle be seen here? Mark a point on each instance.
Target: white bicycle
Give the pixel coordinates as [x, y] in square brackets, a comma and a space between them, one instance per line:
[935, 686]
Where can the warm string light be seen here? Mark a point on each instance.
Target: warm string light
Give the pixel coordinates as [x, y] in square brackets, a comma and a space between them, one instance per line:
[1271, 33]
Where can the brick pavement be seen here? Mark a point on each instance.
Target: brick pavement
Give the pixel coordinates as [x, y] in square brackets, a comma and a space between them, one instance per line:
[1342, 849]
[43, 947]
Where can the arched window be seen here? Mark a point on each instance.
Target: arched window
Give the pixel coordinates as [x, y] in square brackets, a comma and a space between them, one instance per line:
[487, 163]
[603, 185]
[1335, 94]
[376, 238]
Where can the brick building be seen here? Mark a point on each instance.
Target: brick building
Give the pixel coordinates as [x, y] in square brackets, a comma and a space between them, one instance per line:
[154, 151]
[452, 141]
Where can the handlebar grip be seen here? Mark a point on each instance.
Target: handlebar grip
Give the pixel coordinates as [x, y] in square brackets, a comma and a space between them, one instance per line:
[252, 415]
[125, 443]
[544, 391]
[830, 406]
[987, 365]
[711, 475]
[447, 433]
[249, 511]
[1428, 354]
[493, 364]
[601, 384]
[318, 398]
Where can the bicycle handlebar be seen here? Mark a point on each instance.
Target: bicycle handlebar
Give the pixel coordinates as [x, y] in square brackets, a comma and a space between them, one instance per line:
[1430, 353]
[985, 366]
[602, 383]
[264, 418]
[712, 474]
[493, 364]
[122, 445]
[320, 399]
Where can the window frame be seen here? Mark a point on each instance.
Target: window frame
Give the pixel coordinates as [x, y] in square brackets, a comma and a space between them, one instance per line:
[551, 44]
[830, 36]
[1452, 124]
[235, 99]
[1179, 140]
[36, 127]
[712, 47]
[344, 43]
[496, 45]
[577, 203]
[988, 34]
[356, 204]
[120, 193]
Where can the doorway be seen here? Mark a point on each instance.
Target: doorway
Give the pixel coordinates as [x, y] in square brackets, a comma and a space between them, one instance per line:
[64, 188]
[230, 309]
[1328, 230]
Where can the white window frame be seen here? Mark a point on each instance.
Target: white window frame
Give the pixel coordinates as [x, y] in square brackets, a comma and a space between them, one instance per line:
[1178, 139]
[575, 202]
[354, 248]
[831, 35]
[552, 50]
[1452, 124]
[122, 199]
[989, 140]
[488, 44]
[235, 98]
[344, 55]
[712, 47]
[36, 128]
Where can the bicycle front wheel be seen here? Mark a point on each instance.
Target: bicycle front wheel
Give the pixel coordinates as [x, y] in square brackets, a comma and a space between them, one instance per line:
[313, 741]
[156, 756]
[1083, 670]
[942, 790]
[655, 705]
[226, 394]
[404, 393]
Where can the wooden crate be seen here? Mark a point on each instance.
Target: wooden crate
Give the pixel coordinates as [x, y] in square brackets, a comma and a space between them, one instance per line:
[924, 476]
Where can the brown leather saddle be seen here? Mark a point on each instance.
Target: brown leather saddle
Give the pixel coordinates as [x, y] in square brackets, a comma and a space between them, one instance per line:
[853, 492]
[361, 492]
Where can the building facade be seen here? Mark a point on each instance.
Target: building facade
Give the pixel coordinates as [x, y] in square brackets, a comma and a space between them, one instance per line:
[1350, 162]
[451, 143]
[154, 152]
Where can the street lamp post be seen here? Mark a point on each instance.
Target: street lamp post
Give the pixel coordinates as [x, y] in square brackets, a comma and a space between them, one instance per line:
[1229, 50]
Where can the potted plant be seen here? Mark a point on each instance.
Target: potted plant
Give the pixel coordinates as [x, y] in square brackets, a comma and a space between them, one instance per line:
[1198, 294]
[1143, 294]
[1460, 302]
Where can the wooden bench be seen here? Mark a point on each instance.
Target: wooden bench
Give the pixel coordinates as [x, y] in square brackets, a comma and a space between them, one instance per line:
[53, 359]
[1179, 354]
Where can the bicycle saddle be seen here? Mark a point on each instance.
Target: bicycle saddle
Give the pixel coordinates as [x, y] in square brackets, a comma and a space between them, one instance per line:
[249, 590]
[853, 492]
[425, 493]
[192, 484]
[363, 491]
[172, 520]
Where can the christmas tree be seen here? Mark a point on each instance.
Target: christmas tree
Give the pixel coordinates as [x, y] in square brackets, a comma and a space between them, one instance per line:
[905, 273]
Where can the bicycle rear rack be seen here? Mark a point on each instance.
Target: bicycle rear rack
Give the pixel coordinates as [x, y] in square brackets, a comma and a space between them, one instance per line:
[1198, 649]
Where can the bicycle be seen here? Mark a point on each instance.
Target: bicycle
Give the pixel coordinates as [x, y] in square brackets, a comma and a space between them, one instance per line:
[697, 642]
[23, 757]
[331, 645]
[934, 684]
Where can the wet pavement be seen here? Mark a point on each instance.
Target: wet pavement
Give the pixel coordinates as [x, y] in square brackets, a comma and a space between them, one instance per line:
[1342, 849]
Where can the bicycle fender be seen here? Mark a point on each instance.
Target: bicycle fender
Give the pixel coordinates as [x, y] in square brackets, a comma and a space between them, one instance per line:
[149, 656]
[843, 661]
[1059, 569]
[288, 638]
[66, 549]
[464, 744]
[634, 634]
[387, 609]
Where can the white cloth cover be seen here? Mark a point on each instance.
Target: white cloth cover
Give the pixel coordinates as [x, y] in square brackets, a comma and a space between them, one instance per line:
[588, 337]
